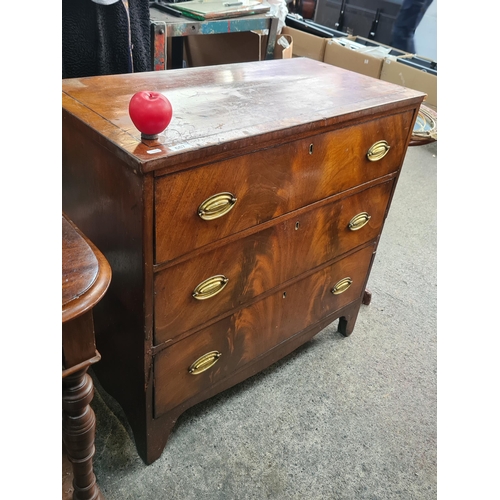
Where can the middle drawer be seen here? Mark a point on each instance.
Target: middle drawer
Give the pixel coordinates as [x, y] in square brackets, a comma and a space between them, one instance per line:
[197, 290]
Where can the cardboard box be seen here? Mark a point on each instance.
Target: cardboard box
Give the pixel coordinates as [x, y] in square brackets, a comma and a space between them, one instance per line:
[358, 54]
[226, 48]
[280, 50]
[395, 71]
[373, 44]
[305, 44]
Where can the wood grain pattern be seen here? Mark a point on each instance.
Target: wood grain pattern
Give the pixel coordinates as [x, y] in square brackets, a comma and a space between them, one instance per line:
[78, 429]
[86, 275]
[222, 110]
[272, 182]
[263, 260]
[80, 265]
[256, 329]
[246, 127]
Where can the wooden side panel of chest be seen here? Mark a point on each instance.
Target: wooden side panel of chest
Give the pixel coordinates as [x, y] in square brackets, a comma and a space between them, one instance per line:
[105, 197]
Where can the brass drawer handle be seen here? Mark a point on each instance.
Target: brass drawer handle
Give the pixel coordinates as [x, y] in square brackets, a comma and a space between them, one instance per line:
[359, 221]
[204, 362]
[378, 150]
[210, 287]
[342, 286]
[216, 206]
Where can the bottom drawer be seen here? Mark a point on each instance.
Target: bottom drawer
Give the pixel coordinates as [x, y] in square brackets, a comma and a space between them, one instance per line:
[214, 353]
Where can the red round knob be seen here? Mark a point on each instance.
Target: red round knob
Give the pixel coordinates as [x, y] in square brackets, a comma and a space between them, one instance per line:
[150, 112]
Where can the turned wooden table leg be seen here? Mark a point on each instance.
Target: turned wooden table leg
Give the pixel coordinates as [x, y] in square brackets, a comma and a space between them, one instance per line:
[79, 432]
[367, 297]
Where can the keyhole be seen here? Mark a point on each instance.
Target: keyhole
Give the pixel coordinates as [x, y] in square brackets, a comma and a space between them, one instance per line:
[284, 295]
[311, 149]
[297, 224]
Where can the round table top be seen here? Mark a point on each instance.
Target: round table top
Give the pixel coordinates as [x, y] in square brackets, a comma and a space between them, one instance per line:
[86, 273]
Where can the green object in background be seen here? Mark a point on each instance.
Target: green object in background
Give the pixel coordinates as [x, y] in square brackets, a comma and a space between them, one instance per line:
[203, 10]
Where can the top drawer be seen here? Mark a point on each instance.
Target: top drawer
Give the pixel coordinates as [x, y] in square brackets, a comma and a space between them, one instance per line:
[196, 207]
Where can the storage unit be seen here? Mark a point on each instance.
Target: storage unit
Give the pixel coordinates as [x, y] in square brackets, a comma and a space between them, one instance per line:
[359, 16]
[245, 229]
[226, 48]
[169, 34]
[415, 72]
[308, 26]
[306, 44]
[358, 54]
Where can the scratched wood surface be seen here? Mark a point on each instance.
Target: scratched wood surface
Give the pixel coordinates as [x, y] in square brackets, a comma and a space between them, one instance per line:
[85, 272]
[79, 264]
[228, 107]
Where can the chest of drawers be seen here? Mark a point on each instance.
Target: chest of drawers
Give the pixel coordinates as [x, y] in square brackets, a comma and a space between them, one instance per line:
[248, 226]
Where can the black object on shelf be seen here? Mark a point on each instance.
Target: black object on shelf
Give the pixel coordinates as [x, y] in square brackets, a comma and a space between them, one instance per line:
[358, 16]
[428, 66]
[339, 25]
[374, 27]
[311, 27]
[163, 4]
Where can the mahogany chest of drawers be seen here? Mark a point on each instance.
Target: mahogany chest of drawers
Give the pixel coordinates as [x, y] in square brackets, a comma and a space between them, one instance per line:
[248, 226]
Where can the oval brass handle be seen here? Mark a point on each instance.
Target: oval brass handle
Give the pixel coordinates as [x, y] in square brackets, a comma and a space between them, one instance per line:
[378, 150]
[204, 362]
[358, 221]
[216, 206]
[342, 286]
[210, 287]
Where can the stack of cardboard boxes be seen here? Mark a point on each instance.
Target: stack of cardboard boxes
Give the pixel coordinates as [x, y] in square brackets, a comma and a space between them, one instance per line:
[354, 53]
[369, 58]
[226, 48]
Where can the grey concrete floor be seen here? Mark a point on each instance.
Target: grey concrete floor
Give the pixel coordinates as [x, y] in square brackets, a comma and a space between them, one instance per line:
[340, 418]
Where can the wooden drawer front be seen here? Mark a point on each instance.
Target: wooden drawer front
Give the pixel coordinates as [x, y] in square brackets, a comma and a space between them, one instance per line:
[271, 182]
[251, 332]
[263, 260]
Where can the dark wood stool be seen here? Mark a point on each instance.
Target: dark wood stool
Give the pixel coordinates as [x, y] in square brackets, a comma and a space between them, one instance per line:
[86, 275]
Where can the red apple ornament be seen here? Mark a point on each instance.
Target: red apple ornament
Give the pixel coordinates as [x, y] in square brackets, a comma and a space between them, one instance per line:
[150, 112]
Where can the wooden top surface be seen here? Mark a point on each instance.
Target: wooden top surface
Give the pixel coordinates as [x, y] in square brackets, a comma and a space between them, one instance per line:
[85, 272]
[218, 109]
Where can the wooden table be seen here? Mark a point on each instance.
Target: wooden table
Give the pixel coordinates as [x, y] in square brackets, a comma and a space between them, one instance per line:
[86, 275]
[165, 27]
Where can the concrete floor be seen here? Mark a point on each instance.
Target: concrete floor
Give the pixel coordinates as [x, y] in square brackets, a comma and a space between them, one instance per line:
[338, 419]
